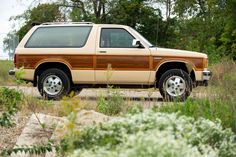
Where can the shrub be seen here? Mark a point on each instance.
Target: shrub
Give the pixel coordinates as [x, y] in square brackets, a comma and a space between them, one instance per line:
[112, 105]
[9, 101]
[152, 134]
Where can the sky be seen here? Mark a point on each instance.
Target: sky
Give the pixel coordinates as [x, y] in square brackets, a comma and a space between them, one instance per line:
[10, 8]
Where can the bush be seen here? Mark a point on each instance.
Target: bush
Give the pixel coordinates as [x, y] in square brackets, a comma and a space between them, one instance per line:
[9, 101]
[151, 134]
[112, 105]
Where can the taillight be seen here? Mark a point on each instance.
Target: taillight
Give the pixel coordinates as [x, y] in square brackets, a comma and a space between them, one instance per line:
[14, 61]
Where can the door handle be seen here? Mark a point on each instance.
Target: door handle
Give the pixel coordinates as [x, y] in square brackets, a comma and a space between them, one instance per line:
[102, 51]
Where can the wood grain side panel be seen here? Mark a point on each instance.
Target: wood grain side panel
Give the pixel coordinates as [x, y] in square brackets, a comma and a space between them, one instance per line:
[100, 62]
[81, 62]
[73, 61]
[122, 62]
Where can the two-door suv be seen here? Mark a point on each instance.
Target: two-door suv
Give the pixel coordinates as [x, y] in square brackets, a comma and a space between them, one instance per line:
[59, 56]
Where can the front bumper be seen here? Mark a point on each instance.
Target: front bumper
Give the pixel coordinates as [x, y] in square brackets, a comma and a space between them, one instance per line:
[206, 75]
[12, 72]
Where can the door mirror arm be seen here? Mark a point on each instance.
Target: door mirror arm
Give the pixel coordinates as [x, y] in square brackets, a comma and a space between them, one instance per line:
[137, 44]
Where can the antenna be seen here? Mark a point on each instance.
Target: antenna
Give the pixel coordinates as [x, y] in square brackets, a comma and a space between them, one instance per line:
[157, 30]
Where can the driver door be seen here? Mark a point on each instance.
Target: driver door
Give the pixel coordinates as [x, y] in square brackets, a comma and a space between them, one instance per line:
[117, 61]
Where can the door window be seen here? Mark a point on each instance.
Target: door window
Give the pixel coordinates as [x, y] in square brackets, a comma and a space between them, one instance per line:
[115, 38]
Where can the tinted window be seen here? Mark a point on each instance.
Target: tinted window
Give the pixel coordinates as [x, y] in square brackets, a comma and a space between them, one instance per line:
[52, 37]
[115, 38]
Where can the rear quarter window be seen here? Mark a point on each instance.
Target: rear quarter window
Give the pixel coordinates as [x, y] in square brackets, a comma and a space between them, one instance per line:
[59, 37]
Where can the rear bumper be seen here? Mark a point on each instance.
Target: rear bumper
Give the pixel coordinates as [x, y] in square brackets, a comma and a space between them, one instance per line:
[25, 74]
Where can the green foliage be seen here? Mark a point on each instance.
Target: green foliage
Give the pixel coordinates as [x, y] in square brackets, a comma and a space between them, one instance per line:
[135, 109]
[19, 74]
[9, 101]
[217, 109]
[228, 37]
[5, 79]
[112, 105]
[155, 134]
[33, 150]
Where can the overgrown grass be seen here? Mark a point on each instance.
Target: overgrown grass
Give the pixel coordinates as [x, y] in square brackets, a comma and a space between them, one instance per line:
[212, 110]
[5, 66]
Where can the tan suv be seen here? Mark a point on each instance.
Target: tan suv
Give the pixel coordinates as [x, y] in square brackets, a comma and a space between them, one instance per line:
[59, 56]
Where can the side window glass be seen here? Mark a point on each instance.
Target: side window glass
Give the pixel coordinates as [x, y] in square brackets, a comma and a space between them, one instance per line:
[115, 38]
[59, 37]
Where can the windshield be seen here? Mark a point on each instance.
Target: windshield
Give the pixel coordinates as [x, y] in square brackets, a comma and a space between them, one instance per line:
[141, 37]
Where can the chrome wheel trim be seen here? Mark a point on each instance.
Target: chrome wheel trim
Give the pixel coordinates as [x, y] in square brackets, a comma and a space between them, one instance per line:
[52, 85]
[175, 86]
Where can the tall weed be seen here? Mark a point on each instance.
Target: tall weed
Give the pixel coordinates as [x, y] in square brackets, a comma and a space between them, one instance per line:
[112, 104]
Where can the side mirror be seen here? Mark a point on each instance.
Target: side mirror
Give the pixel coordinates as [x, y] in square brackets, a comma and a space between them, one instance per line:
[136, 43]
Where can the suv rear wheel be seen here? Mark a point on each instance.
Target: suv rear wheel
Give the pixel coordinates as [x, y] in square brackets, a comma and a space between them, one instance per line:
[54, 84]
[175, 85]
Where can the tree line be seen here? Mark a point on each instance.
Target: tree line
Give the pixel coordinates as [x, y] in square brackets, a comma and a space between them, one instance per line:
[207, 26]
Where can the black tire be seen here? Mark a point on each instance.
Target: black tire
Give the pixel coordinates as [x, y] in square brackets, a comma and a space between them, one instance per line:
[64, 83]
[76, 89]
[173, 91]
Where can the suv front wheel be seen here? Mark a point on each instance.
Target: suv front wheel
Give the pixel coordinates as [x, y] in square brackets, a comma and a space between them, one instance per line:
[175, 85]
[54, 84]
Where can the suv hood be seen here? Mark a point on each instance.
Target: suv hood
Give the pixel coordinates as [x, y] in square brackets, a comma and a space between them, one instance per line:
[177, 53]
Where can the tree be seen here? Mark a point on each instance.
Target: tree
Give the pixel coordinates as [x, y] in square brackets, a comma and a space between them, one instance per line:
[40, 14]
[228, 37]
[201, 23]
[91, 10]
[10, 42]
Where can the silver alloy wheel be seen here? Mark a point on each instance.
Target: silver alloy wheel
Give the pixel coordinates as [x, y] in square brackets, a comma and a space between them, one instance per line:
[175, 86]
[52, 85]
